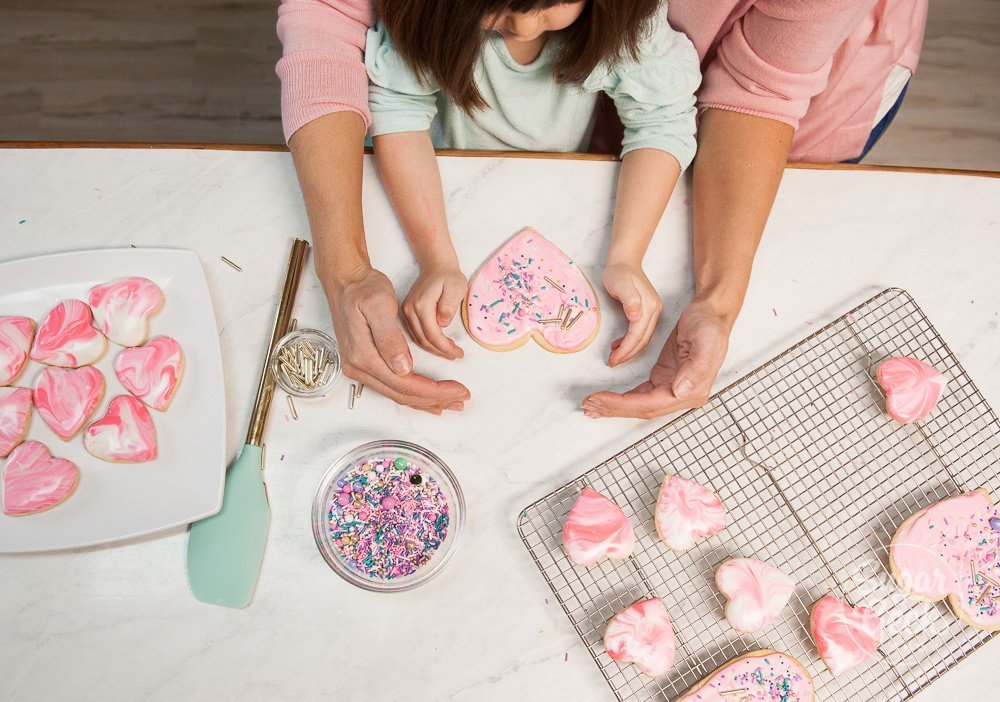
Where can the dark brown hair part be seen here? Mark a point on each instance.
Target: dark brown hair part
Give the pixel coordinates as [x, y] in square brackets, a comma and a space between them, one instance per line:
[441, 39]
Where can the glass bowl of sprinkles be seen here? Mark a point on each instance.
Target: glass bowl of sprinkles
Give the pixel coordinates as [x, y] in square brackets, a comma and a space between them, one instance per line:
[306, 363]
[388, 516]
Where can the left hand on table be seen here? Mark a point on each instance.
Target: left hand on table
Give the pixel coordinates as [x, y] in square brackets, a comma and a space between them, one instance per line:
[629, 285]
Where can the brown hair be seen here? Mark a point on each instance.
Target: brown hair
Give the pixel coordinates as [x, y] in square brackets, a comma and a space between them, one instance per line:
[442, 39]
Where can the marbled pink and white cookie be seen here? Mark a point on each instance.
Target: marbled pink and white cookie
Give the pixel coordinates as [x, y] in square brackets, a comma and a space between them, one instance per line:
[757, 592]
[642, 634]
[687, 511]
[67, 337]
[122, 308]
[66, 397]
[34, 480]
[912, 388]
[15, 414]
[844, 635]
[596, 527]
[952, 549]
[759, 676]
[152, 371]
[125, 434]
[15, 342]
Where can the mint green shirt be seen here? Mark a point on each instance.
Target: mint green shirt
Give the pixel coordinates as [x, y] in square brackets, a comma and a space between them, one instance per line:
[530, 111]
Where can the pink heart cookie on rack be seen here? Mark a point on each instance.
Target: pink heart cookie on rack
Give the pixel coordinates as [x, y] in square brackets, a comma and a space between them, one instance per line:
[912, 388]
[152, 371]
[15, 413]
[67, 337]
[642, 634]
[125, 434]
[595, 528]
[531, 289]
[844, 635]
[687, 511]
[757, 592]
[66, 397]
[122, 308]
[15, 342]
[34, 480]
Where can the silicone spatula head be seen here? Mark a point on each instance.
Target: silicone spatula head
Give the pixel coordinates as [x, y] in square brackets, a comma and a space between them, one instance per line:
[225, 550]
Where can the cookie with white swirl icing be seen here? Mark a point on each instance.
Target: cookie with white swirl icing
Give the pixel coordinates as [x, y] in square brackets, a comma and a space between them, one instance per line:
[687, 511]
[596, 528]
[642, 634]
[757, 592]
[16, 334]
[122, 308]
[152, 371]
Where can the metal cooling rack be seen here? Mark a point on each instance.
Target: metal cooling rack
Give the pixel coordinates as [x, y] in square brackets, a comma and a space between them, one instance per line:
[816, 479]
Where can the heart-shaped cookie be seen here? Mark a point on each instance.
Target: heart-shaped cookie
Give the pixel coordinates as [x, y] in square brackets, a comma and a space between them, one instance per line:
[759, 676]
[15, 341]
[687, 511]
[756, 591]
[34, 480]
[529, 288]
[596, 527]
[66, 397]
[15, 413]
[642, 634]
[125, 434]
[152, 371]
[952, 549]
[912, 388]
[845, 636]
[122, 308]
[67, 337]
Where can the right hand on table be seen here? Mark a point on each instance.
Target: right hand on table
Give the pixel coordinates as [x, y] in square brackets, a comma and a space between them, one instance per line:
[431, 305]
[373, 349]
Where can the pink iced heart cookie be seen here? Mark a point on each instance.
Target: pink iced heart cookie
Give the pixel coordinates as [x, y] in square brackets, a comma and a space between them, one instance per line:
[67, 337]
[125, 434]
[952, 549]
[152, 371]
[529, 288]
[33, 480]
[642, 634]
[596, 527]
[912, 388]
[686, 512]
[756, 591]
[122, 308]
[15, 413]
[66, 397]
[845, 636]
[15, 341]
[759, 676]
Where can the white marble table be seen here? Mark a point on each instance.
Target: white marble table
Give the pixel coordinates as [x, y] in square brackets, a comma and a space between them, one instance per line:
[119, 623]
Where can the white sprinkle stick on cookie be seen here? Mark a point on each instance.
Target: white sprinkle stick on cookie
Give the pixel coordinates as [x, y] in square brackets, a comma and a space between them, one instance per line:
[758, 676]
[67, 337]
[952, 549]
[122, 308]
[531, 289]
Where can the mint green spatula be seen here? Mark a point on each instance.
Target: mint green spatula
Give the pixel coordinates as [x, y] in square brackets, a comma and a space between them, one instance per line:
[225, 550]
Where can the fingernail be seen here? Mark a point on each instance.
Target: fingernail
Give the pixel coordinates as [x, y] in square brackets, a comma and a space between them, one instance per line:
[683, 388]
[456, 406]
[401, 364]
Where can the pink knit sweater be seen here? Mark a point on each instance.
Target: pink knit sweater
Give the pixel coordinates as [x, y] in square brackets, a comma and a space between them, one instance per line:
[818, 65]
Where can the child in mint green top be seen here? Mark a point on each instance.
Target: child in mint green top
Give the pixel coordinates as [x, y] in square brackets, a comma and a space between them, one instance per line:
[526, 75]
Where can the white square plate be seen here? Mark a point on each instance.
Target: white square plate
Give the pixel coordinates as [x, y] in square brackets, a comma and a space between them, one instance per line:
[121, 500]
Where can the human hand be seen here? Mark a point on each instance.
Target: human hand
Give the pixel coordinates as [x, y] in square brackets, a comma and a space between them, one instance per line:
[629, 285]
[373, 349]
[683, 374]
[431, 305]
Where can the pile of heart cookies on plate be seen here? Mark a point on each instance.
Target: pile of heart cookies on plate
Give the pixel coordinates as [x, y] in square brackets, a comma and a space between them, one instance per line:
[68, 390]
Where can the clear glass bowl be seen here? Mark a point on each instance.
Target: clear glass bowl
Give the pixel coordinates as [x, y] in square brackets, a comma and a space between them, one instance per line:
[305, 339]
[428, 466]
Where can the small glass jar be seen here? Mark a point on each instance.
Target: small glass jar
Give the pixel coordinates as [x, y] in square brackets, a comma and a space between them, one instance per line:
[386, 502]
[306, 363]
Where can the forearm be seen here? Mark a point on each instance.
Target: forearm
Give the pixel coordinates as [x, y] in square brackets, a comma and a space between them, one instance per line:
[328, 154]
[645, 182]
[409, 171]
[736, 174]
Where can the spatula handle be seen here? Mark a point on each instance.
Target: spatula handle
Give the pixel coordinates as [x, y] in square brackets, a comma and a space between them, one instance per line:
[282, 318]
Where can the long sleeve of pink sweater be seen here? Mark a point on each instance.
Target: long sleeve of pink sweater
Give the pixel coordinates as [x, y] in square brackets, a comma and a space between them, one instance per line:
[819, 66]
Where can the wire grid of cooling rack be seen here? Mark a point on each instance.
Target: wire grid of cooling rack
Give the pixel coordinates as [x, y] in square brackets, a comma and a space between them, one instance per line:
[816, 479]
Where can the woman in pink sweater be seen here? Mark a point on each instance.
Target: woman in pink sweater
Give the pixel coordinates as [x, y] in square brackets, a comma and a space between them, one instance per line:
[783, 80]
